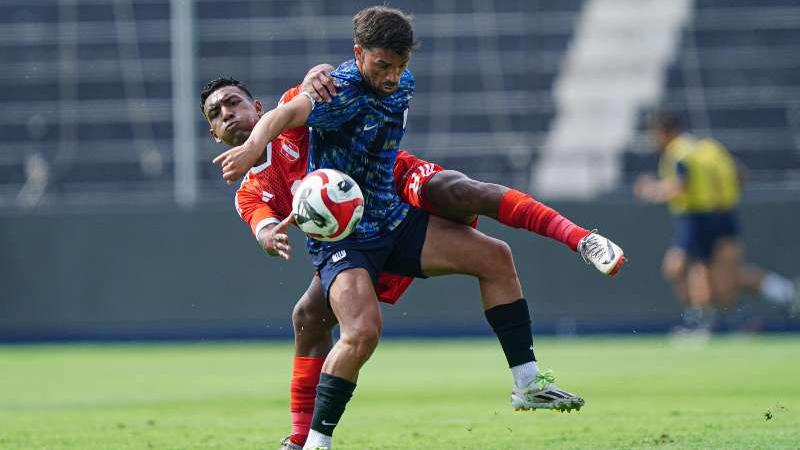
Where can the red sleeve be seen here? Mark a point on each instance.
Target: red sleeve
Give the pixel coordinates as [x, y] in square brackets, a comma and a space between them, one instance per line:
[254, 210]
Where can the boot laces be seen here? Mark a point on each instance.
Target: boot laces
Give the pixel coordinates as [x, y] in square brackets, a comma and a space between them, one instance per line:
[592, 247]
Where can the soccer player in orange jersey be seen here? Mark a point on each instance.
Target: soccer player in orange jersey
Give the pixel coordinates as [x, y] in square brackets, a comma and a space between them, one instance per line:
[264, 202]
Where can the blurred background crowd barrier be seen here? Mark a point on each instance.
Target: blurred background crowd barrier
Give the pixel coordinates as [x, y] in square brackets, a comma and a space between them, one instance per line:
[113, 222]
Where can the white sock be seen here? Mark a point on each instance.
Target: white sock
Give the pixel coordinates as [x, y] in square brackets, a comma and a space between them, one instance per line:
[777, 289]
[525, 373]
[316, 439]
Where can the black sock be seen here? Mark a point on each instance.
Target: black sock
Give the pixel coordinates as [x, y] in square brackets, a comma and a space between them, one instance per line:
[333, 393]
[512, 325]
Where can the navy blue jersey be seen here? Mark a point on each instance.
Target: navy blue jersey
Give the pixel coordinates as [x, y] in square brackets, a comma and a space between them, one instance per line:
[359, 133]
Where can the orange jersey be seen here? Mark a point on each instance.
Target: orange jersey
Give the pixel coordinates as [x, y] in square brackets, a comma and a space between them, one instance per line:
[265, 194]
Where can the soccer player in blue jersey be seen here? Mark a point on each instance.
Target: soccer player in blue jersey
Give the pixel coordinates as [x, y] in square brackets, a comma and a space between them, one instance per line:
[421, 184]
[358, 132]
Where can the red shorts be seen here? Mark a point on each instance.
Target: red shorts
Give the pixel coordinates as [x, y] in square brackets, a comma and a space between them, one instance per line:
[411, 174]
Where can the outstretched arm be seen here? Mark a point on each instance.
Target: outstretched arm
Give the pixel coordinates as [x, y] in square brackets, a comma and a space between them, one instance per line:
[286, 116]
[653, 190]
[238, 160]
[317, 83]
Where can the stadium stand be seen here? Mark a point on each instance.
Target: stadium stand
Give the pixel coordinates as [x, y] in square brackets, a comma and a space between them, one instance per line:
[87, 111]
[87, 116]
[613, 68]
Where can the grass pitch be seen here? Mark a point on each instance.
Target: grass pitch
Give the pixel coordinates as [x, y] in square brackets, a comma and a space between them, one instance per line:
[735, 392]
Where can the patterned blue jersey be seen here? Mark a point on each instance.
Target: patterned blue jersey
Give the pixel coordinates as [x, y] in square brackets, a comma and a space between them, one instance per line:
[358, 133]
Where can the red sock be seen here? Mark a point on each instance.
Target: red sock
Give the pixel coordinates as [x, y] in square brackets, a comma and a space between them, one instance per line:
[520, 210]
[305, 377]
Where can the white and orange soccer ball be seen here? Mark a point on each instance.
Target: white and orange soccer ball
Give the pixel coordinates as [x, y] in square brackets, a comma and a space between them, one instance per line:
[327, 205]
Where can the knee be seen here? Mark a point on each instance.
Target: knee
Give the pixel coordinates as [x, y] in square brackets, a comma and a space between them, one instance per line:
[670, 273]
[673, 268]
[362, 339]
[498, 258]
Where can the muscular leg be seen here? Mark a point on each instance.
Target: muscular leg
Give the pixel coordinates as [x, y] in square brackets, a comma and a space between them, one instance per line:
[313, 322]
[457, 197]
[673, 269]
[727, 273]
[506, 310]
[735, 275]
[751, 278]
[484, 257]
[700, 314]
[734, 272]
[353, 300]
[699, 284]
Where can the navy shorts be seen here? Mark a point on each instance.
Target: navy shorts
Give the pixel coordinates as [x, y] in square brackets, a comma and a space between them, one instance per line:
[698, 233]
[398, 252]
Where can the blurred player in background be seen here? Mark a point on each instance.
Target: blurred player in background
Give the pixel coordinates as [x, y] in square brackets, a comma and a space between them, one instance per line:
[701, 182]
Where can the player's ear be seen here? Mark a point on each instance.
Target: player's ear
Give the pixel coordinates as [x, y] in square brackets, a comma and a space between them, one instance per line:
[214, 136]
[359, 52]
[259, 106]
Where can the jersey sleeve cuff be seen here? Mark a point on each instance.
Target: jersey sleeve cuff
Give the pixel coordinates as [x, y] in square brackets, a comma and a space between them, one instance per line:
[263, 223]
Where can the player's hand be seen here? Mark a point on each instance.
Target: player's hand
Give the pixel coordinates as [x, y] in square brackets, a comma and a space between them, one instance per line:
[319, 83]
[276, 239]
[235, 162]
[645, 188]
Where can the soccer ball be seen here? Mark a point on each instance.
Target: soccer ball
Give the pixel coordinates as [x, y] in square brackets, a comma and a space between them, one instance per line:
[327, 205]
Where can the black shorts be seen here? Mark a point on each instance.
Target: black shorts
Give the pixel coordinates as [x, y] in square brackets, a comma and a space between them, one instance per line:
[399, 252]
[698, 233]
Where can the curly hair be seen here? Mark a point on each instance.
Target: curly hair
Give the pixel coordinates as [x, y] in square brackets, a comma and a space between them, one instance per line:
[384, 27]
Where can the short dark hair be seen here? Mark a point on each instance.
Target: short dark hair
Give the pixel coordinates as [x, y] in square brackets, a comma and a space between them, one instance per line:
[384, 27]
[220, 82]
[666, 121]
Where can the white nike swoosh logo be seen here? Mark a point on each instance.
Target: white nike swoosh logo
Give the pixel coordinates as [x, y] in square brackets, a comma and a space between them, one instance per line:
[611, 253]
[328, 424]
[369, 127]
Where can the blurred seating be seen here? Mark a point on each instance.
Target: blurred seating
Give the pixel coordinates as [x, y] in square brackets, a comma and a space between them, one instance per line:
[88, 84]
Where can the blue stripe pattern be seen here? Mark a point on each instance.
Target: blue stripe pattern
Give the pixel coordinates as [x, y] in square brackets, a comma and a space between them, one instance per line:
[359, 133]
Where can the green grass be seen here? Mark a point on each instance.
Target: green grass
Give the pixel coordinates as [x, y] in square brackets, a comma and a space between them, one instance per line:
[641, 393]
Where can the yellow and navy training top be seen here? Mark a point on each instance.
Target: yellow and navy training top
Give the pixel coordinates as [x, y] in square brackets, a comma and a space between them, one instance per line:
[708, 174]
